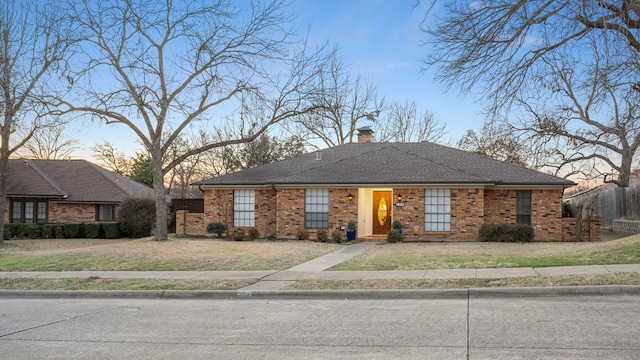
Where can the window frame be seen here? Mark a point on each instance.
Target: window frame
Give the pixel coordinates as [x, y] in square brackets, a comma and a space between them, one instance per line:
[316, 208]
[244, 208]
[21, 208]
[112, 212]
[523, 207]
[437, 210]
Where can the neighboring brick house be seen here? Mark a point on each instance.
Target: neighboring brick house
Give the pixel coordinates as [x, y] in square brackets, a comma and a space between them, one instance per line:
[436, 192]
[62, 191]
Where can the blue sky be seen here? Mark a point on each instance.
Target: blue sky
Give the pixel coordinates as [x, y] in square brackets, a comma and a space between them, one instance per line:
[378, 38]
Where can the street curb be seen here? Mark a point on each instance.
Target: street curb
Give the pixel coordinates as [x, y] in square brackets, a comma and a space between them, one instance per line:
[408, 294]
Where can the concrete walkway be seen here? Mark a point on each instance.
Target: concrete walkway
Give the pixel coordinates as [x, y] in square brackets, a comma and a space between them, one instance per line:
[315, 269]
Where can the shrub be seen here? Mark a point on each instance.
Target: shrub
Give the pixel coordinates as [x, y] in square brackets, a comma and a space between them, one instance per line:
[336, 236]
[237, 234]
[137, 216]
[394, 237]
[351, 225]
[254, 234]
[35, 231]
[322, 236]
[48, 231]
[71, 230]
[112, 230]
[6, 235]
[396, 224]
[92, 230]
[58, 231]
[302, 234]
[217, 228]
[506, 233]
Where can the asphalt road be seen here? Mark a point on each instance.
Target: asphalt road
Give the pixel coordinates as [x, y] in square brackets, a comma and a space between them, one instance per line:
[587, 327]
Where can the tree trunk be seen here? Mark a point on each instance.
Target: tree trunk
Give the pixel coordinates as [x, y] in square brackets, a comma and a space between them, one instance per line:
[4, 172]
[161, 232]
[625, 169]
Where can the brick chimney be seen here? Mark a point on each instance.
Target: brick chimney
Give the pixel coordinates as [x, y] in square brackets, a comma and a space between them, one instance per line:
[365, 134]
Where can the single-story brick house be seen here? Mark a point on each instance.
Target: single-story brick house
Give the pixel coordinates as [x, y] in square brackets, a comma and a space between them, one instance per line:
[63, 191]
[436, 192]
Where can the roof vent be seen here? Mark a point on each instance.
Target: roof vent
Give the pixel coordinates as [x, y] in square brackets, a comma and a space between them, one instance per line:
[319, 155]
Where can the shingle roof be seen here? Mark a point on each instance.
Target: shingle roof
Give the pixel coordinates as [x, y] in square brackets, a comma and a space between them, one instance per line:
[72, 180]
[388, 163]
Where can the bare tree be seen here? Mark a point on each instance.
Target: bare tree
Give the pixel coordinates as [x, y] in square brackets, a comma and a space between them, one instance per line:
[560, 66]
[50, 143]
[401, 122]
[497, 143]
[344, 101]
[113, 159]
[169, 68]
[33, 44]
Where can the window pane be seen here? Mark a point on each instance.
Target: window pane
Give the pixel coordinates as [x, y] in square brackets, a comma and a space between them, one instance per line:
[316, 209]
[105, 212]
[16, 215]
[28, 212]
[523, 207]
[244, 208]
[437, 210]
[42, 212]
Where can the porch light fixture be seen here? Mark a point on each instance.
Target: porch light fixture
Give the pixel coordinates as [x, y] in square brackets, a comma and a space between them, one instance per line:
[350, 197]
[400, 198]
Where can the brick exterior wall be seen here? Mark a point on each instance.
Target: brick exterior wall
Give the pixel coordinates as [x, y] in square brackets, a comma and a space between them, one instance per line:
[190, 223]
[64, 213]
[281, 212]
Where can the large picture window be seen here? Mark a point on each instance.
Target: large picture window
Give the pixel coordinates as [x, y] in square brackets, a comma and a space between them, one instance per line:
[316, 209]
[523, 207]
[244, 208]
[437, 210]
[28, 211]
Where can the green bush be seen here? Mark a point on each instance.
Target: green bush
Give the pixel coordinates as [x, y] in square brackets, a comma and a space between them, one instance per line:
[48, 231]
[237, 234]
[396, 224]
[72, 230]
[254, 234]
[112, 230]
[93, 230]
[506, 233]
[137, 216]
[394, 237]
[337, 237]
[217, 228]
[6, 235]
[322, 236]
[58, 231]
[35, 231]
[19, 231]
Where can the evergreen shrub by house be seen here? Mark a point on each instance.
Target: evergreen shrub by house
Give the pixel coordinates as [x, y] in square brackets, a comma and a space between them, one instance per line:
[92, 230]
[137, 216]
[254, 234]
[506, 233]
[217, 228]
[112, 230]
[394, 237]
[72, 230]
[237, 234]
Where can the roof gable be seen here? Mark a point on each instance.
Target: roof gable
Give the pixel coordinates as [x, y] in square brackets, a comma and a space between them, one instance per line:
[388, 163]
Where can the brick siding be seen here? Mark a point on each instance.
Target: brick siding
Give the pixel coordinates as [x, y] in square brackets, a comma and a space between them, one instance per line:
[281, 212]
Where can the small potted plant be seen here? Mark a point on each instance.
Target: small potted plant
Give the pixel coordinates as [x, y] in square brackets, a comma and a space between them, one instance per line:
[351, 230]
[397, 226]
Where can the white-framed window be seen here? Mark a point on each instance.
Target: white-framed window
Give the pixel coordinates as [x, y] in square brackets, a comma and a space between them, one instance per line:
[244, 208]
[316, 209]
[437, 210]
[106, 212]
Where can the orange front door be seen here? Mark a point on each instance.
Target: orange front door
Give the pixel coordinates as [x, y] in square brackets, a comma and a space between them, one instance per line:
[381, 212]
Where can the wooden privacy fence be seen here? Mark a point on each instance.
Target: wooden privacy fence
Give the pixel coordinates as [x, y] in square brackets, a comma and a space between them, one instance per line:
[611, 204]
